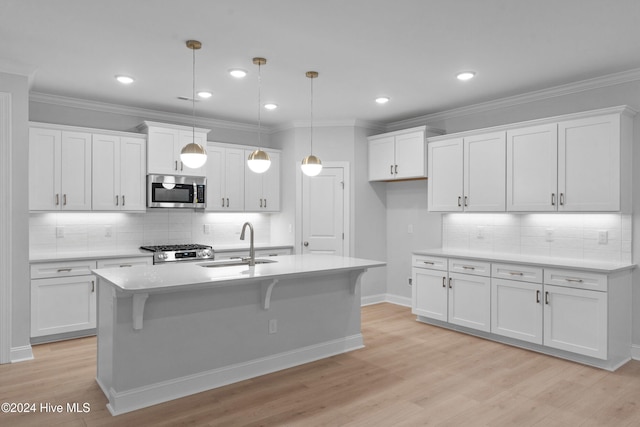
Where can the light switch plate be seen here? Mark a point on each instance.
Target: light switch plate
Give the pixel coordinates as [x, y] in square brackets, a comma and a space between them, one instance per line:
[548, 235]
[59, 231]
[603, 237]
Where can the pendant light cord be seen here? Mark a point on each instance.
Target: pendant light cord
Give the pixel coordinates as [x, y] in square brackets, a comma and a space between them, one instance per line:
[311, 125]
[259, 101]
[193, 98]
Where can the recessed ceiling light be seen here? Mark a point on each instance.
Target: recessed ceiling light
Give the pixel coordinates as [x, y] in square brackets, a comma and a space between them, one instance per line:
[466, 75]
[270, 106]
[238, 73]
[205, 95]
[382, 99]
[125, 80]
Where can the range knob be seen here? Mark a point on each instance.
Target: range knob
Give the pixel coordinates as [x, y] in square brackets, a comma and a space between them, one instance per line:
[205, 253]
[162, 255]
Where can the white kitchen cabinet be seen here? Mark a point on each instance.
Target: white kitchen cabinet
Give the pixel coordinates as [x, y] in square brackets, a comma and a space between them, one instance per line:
[430, 293]
[59, 170]
[119, 173]
[575, 320]
[65, 301]
[125, 262]
[399, 155]
[467, 174]
[589, 164]
[532, 169]
[225, 178]
[445, 184]
[470, 301]
[262, 190]
[164, 143]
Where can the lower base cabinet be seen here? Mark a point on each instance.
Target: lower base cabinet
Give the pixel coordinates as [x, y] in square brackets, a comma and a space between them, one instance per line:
[470, 301]
[517, 310]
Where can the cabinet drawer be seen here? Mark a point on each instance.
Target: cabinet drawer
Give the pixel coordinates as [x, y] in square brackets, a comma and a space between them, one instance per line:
[575, 279]
[520, 273]
[124, 262]
[271, 252]
[61, 269]
[430, 262]
[477, 268]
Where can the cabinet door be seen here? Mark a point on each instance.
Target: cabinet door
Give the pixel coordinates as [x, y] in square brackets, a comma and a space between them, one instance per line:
[382, 159]
[470, 301]
[271, 185]
[485, 173]
[589, 164]
[576, 320]
[64, 304]
[106, 173]
[252, 188]
[445, 175]
[44, 169]
[161, 157]
[75, 171]
[410, 156]
[215, 178]
[186, 137]
[516, 310]
[133, 188]
[532, 169]
[235, 161]
[429, 293]
[125, 262]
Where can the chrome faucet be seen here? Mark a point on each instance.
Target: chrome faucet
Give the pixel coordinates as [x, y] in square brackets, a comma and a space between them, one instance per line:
[252, 251]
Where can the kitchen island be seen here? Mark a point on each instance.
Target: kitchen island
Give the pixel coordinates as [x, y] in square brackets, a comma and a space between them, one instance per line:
[168, 331]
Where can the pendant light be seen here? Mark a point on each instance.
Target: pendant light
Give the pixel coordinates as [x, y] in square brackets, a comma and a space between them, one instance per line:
[259, 160]
[311, 165]
[193, 155]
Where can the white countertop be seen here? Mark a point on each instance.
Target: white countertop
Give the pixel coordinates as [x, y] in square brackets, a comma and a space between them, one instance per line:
[542, 261]
[81, 256]
[172, 277]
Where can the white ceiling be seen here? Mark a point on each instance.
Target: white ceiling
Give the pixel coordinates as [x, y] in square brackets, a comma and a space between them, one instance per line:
[409, 50]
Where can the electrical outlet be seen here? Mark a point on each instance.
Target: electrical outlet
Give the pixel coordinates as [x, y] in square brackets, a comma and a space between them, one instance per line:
[59, 231]
[410, 228]
[603, 237]
[207, 229]
[108, 230]
[548, 235]
[273, 326]
[480, 232]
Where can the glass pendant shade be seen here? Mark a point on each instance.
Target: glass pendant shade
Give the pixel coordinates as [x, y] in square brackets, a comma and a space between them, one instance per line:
[259, 161]
[193, 155]
[311, 165]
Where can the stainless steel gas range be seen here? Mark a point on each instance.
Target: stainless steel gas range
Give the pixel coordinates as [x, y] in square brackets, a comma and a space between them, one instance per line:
[180, 253]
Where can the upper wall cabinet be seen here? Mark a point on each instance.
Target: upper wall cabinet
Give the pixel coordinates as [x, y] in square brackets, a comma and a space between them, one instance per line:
[399, 155]
[59, 170]
[467, 174]
[574, 163]
[262, 190]
[164, 143]
[225, 178]
[119, 171]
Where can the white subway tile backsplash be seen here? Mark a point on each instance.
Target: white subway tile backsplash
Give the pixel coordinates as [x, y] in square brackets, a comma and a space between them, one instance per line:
[557, 234]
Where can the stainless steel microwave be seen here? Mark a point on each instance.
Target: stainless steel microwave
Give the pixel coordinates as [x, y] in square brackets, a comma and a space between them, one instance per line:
[167, 191]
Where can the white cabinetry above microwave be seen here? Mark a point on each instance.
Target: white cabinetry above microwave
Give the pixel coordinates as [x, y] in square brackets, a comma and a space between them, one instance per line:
[165, 141]
[573, 163]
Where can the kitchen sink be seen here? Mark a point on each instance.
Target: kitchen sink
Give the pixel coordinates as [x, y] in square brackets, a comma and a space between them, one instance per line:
[234, 262]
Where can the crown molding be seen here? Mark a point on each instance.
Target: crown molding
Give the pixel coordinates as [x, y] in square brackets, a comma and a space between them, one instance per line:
[147, 114]
[297, 124]
[511, 101]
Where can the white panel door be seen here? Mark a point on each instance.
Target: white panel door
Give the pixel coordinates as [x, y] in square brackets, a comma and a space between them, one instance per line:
[410, 156]
[44, 169]
[532, 169]
[271, 185]
[323, 212]
[485, 172]
[133, 171]
[576, 320]
[75, 171]
[589, 164]
[161, 157]
[106, 173]
[470, 301]
[516, 310]
[445, 183]
[234, 172]
[215, 167]
[382, 159]
[429, 293]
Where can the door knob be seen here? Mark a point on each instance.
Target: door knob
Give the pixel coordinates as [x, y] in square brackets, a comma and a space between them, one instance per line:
[306, 243]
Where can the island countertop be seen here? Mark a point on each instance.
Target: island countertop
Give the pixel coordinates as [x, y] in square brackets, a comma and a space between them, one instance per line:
[178, 276]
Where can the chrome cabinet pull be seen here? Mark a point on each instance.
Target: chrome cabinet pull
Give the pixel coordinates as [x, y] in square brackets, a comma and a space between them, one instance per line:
[443, 282]
[260, 202]
[553, 199]
[93, 286]
[546, 298]
[396, 169]
[64, 270]
[537, 297]
[223, 202]
[561, 199]
[468, 267]
[117, 200]
[176, 167]
[181, 166]
[123, 200]
[391, 170]
[64, 200]
[450, 283]
[428, 262]
[516, 273]
[573, 280]
[466, 200]
[265, 203]
[57, 199]
[125, 265]
[459, 201]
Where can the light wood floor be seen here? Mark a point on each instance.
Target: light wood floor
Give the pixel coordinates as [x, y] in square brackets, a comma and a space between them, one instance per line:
[409, 374]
